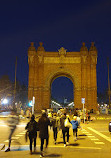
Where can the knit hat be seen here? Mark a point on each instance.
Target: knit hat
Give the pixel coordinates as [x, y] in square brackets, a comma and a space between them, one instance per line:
[75, 118]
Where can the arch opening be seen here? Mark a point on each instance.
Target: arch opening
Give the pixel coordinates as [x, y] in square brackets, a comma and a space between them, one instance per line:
[62, 91]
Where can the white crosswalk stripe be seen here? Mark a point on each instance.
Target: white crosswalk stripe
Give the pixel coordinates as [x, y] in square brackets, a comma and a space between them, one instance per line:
[100, 134]
[99, 143]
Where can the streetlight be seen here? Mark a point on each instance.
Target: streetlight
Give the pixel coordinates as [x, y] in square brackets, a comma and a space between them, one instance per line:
[5, 101]
[109, 92]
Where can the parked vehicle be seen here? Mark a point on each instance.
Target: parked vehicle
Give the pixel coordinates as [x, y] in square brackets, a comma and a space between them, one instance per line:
[110, 126]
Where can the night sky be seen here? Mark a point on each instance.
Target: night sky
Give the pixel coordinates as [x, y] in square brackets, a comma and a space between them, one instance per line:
[57, 24]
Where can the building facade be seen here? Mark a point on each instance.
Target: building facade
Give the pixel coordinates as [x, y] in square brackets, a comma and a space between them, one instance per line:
[80, 67]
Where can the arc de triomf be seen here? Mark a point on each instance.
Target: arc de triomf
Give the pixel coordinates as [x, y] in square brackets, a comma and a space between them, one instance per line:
[80, 67]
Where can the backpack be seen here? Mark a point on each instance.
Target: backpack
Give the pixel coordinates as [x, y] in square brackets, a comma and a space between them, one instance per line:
[31, 127]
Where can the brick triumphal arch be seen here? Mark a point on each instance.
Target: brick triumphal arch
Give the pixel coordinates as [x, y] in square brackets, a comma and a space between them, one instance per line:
[80, 67]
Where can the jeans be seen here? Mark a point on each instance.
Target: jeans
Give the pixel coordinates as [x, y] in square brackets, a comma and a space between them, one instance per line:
[75, 132]
[31, 141]
[42, 143]
[65, 131]
[55, 133]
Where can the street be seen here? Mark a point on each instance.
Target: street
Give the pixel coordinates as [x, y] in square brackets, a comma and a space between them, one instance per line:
[94, 140]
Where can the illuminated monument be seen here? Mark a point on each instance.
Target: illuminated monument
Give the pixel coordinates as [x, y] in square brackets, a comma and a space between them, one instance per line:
[80, 67]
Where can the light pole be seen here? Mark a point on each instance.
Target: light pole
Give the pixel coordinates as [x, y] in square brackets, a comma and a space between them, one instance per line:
[109, 92]
[15, 82]
[33, 102]
[83, 102]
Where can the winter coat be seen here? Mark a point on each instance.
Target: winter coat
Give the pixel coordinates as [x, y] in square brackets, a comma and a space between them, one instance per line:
[74, 124]
[33, 133]
[43, 124]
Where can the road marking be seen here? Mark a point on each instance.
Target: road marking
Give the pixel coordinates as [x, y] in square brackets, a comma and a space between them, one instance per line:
[86, 132]
[95, 139]
[55, 146]
[22, 133]
[15, 137]
[83, 129]
[104, 131]
[6, 141]
[4, 125]
[22, 125]
[91, 136]
[100, 134]
[19, 135]
[98, 142]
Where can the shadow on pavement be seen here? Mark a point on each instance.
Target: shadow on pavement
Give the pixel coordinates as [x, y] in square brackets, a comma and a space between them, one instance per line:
[60, 143]
[82, 135]
[53, 155]
[80, 138]
[74, 144]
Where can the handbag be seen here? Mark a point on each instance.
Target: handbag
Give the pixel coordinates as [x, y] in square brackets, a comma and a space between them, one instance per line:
[26, 135]
[67, 123]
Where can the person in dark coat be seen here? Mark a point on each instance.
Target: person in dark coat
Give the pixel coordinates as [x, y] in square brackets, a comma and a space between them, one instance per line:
[43, 124]
[55, 124]
[32, 130]
[65, 130]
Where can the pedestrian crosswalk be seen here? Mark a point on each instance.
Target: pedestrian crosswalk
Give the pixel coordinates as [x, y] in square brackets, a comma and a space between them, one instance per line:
[100, 134]
[88, 131]
[26, 147]
[90, 135]
[16, 137]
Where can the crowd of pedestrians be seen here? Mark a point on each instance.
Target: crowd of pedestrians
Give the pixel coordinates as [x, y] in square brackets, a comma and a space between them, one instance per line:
[57, 121]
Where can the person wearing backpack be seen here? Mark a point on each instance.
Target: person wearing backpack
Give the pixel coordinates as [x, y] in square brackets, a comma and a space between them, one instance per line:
[31, 127]
[65, 130]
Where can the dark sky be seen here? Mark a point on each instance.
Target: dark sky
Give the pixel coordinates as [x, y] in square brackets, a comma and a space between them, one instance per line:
[57, 24]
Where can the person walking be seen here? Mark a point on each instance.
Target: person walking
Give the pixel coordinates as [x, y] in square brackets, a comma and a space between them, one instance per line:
[74, 123]
[32, 127]
[43, 124]
[55, 125]
[65, 130]
[13, 121]
[79, 121]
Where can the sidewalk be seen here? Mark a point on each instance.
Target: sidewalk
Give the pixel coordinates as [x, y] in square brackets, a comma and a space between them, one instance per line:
[100, 116]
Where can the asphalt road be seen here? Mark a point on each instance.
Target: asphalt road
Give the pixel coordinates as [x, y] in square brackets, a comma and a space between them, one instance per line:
[94, 141]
